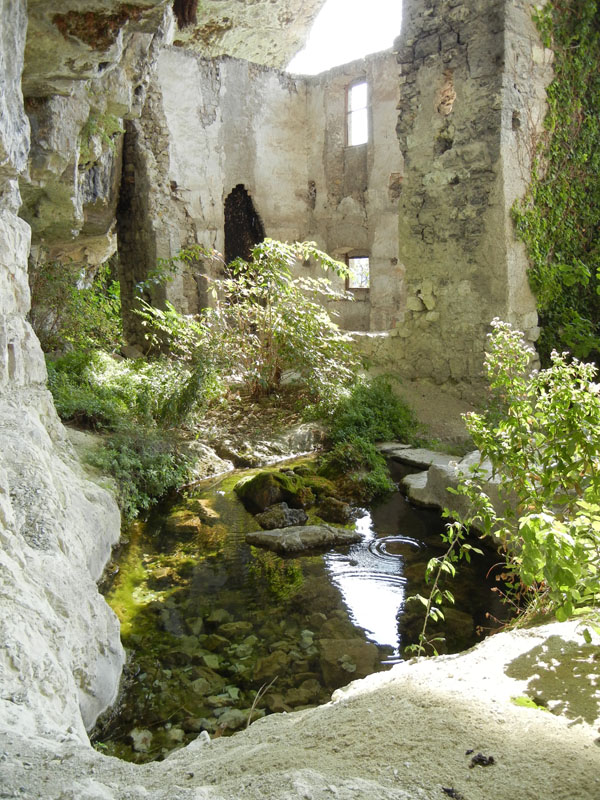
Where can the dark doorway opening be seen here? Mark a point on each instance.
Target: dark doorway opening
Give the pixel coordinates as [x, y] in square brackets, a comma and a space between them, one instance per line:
[243, 226]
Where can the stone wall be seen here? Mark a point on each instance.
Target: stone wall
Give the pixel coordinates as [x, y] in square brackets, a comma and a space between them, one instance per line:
[467, 114]
[355, 208]
[453, 120]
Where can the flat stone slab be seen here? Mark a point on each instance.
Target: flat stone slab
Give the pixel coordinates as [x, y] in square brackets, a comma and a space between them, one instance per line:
[302, 537]
[415, 486]
[415, 456]
[388, 447]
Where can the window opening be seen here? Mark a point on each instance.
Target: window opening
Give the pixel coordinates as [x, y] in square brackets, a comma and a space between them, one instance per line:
[243, 226]
[358, 273]
[358, 118]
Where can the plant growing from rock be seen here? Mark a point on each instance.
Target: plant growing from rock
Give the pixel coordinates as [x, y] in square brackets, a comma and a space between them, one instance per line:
[436, 570]
[74, 308]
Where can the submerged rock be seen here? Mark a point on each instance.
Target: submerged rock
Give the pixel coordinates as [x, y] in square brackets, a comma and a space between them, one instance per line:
[345, 660]
[271, 666]
[281, 516]
[297, 539]
[332, 510]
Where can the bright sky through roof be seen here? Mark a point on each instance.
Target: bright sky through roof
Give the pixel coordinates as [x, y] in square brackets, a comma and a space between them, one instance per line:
[345, 30]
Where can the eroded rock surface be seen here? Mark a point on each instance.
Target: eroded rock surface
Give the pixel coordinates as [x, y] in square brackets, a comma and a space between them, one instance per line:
[295, 539]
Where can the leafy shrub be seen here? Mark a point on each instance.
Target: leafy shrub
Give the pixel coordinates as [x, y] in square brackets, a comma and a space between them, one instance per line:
[72, 310]
[366, 412]
[541, 436]
[79, 397]
[358, 469]
[145, 465]
[371, 410]
[264, 322]
[125, 400]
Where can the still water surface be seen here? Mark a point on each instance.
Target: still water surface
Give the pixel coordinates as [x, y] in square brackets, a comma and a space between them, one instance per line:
[209, 621]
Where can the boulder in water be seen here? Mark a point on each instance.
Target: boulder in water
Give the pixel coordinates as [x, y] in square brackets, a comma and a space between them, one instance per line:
[297, 539]
[281, 516]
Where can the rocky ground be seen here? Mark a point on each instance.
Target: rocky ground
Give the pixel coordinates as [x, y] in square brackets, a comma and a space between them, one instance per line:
[455, 726]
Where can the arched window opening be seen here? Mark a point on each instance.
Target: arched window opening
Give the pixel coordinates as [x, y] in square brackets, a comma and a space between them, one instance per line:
[243, 226]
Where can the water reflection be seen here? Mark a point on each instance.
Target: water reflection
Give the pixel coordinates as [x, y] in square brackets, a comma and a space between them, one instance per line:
[371, 580]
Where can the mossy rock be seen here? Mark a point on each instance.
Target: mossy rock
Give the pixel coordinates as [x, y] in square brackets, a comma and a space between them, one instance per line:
[269, 487]
[320, 486]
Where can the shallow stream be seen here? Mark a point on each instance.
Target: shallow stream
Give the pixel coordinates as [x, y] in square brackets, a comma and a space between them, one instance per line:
[218, 632]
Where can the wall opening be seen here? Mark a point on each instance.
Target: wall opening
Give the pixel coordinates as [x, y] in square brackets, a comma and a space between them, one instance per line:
[358, 272]
[357, 116]
[243, 226]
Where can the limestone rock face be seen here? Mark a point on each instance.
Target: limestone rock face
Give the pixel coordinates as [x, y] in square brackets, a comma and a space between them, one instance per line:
[262, 31]
[14, 129]
[86, 70]
[61, 656]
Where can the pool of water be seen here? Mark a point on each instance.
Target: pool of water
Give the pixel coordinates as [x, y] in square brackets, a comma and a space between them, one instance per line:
[219, 633]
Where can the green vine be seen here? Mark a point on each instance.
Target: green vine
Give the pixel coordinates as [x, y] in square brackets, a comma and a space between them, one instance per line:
[558, 218]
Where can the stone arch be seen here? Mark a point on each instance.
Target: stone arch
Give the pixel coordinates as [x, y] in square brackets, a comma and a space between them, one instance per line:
[243, 226]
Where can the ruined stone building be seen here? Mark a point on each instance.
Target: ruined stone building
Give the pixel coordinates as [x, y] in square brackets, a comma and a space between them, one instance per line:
[425, 197]
[215, 131]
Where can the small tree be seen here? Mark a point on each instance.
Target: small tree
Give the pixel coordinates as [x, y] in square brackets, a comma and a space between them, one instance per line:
[266, 322]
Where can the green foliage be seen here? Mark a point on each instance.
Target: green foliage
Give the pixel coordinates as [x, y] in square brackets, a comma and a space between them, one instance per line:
[167, 268]
[358, 469]
[71, 309]
[264, 323]
[541, 435]
[105, 127]
[436, 571]
[366, 412]
[527, 702]
[558, 218]
[145, 466]
[371, 410]
[125, 400]
[78, 394]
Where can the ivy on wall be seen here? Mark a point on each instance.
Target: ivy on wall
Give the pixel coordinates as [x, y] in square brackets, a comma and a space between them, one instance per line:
[559, 217]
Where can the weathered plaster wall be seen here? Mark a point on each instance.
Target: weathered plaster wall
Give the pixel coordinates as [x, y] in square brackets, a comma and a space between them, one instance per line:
[210, 125]
[207, 126]
[356, 205]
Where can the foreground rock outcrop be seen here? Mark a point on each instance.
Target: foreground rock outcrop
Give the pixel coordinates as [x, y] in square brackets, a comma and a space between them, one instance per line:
[61, 656]
[406, 734]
